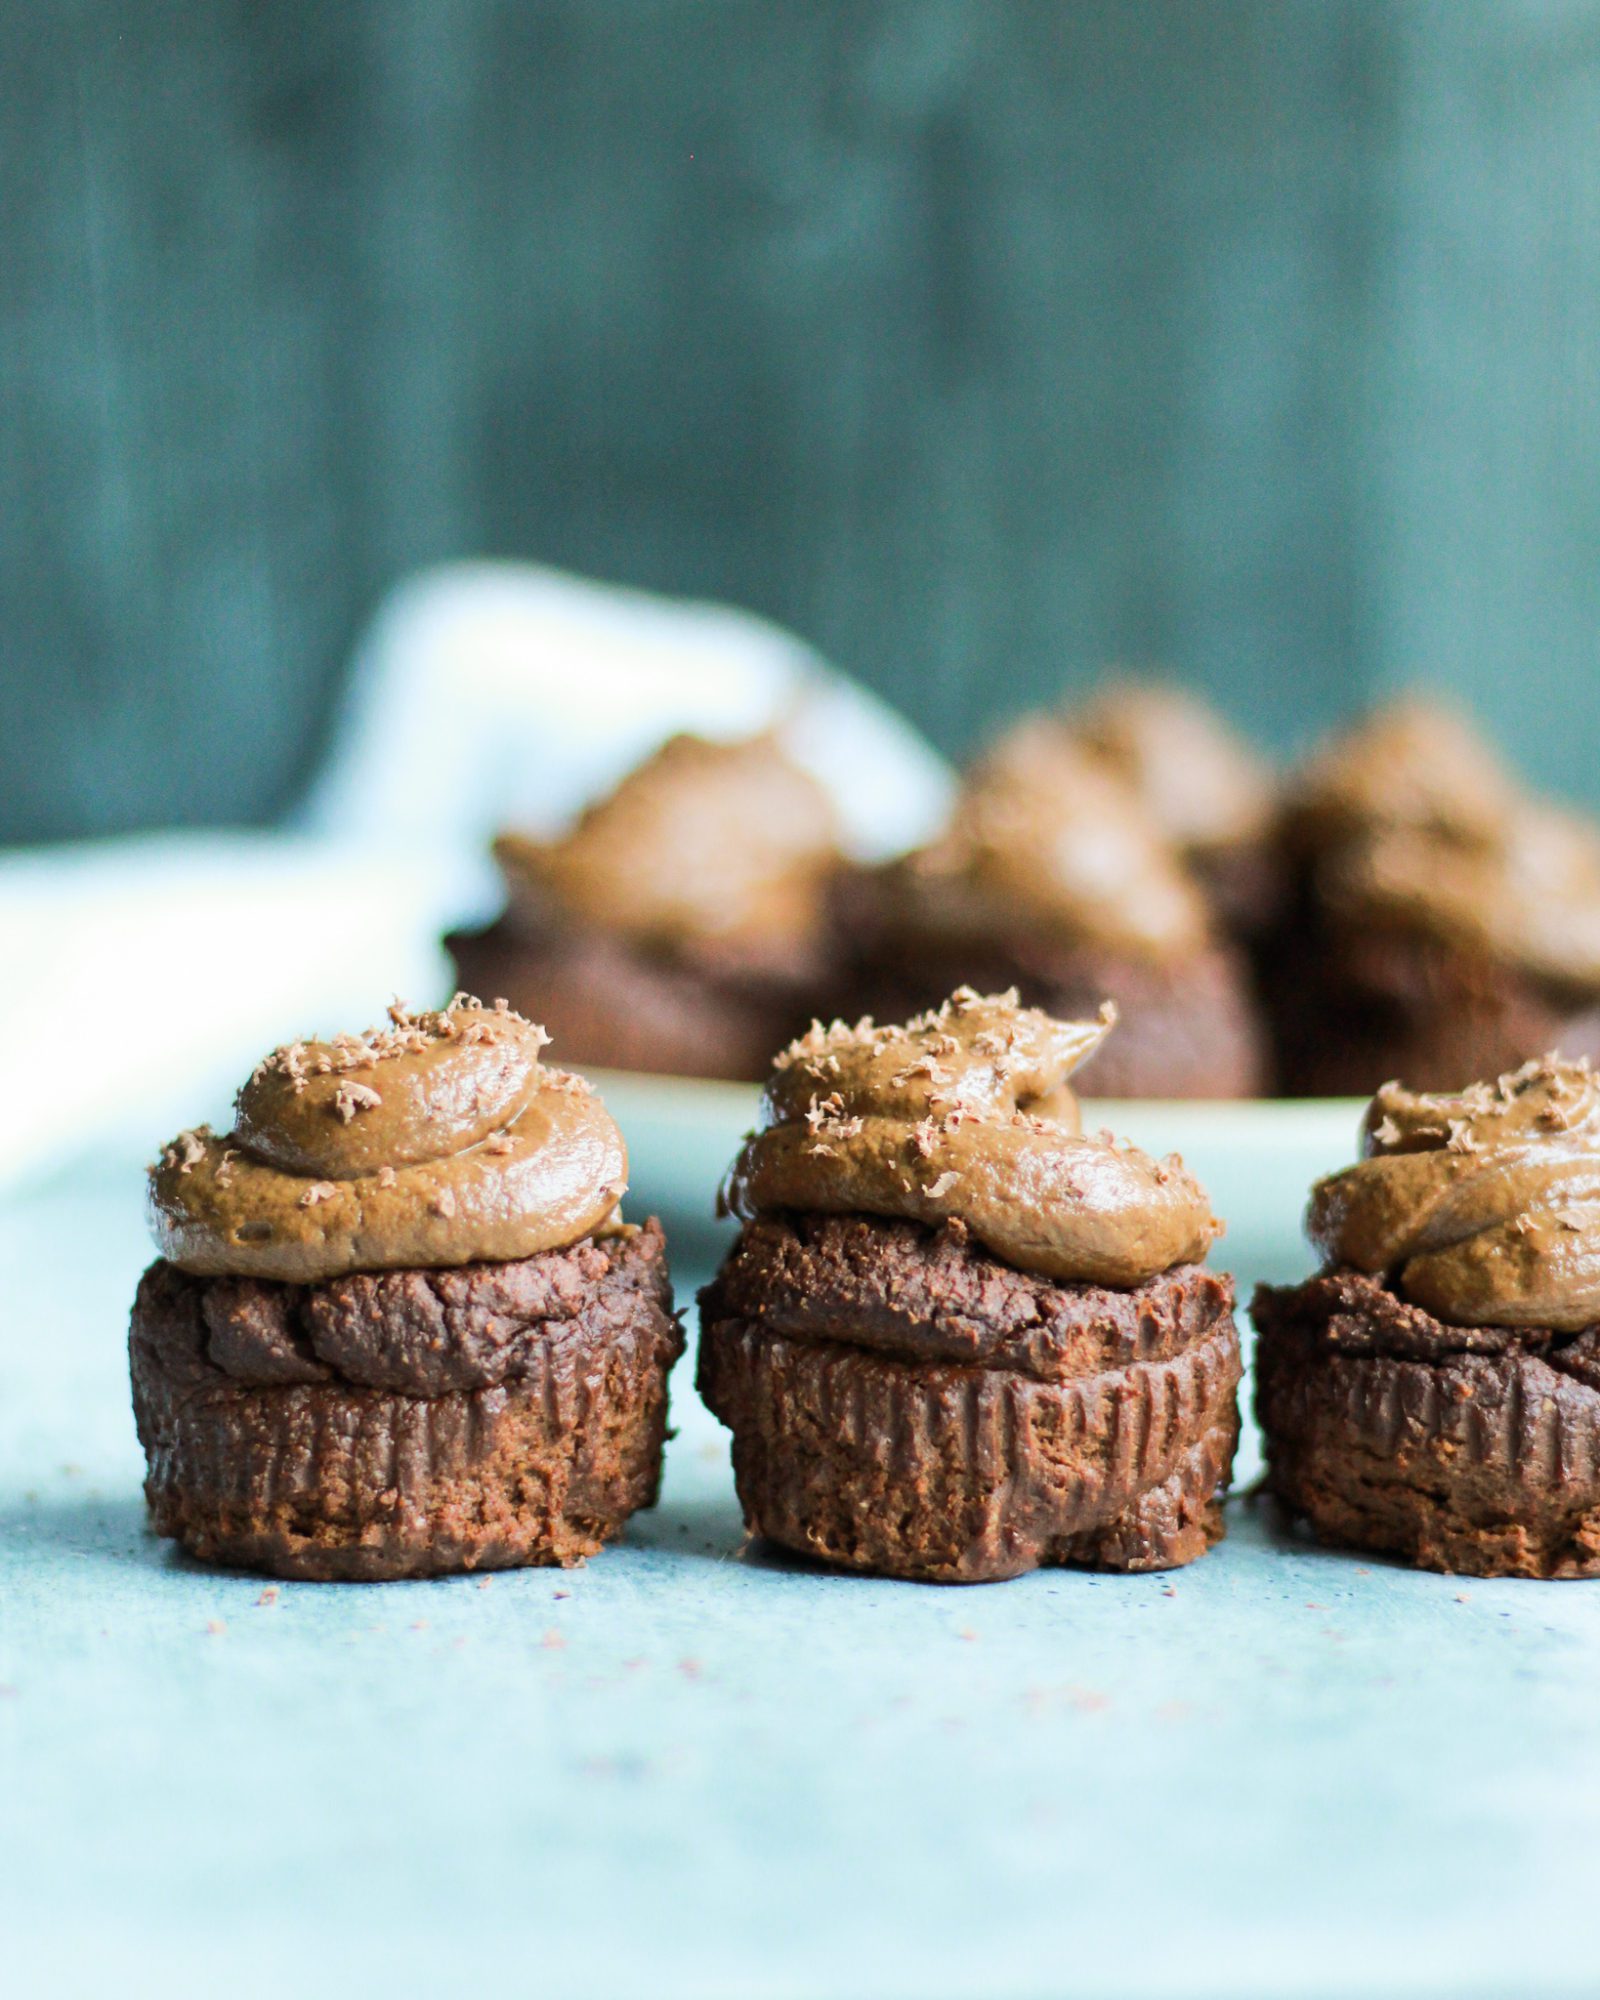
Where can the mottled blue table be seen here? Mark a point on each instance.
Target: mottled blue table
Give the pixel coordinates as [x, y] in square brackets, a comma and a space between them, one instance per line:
[688, 1770]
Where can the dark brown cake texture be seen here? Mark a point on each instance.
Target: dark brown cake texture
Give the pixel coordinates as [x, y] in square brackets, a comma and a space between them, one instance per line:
[1434, 1393]
[407, 1423]
[338, 1387]
[1053, 877]
[1442, 925]
[904, 1396]
[683, 925]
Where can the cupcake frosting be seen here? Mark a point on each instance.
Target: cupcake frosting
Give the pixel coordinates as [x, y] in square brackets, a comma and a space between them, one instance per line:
[1043, 836]
[726, 842]
[1203, 787]
[1409, 821]
[438, 1140]
[1412, 763]
[966, 1115]
[1525, 890]
[1481, 1207]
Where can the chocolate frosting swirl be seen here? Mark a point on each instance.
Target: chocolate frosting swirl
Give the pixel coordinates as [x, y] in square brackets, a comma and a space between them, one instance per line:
[1482, 1207]
[1409, 822]
[966, 1115]
[729, 843]
[1043, 835]
[1201, 784]
[437, 1141]
[1527, 894]
[1412, 763]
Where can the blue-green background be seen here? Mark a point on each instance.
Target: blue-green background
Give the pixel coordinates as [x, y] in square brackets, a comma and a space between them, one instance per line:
[980, 340]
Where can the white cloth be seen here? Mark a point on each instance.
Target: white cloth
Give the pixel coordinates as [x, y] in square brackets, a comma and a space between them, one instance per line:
[498, 694]
[144, 976]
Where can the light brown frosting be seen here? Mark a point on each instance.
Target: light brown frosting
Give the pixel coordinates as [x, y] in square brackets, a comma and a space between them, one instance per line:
[1527, 893]
[967, 1115]
[728, 842]
[1415, 762]
[1412, 823]
[1042, 835]
[1482, 1207]
[1200, 782]
[439, 1140]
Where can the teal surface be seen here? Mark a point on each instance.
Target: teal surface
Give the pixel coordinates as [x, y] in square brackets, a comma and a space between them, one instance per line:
[687, 1771]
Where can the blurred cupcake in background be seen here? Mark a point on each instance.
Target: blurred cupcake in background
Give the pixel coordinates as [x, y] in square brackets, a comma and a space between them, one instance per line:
[1442, 924]
[1053, 877]
[681, 925]
[1206, 789]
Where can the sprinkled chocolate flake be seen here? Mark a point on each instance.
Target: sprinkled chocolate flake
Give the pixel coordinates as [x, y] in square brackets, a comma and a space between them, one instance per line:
[350, 1098]
[187, 1150]
[942, 1186]
[318, 1191]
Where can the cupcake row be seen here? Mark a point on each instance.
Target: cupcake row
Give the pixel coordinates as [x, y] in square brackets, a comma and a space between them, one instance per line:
[1397, 906]
[399, 1325]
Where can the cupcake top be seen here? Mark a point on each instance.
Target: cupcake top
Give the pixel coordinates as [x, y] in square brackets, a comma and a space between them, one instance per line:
[1201, 784]
[440, 1139]
[1482, 1207]
[966, 1115]
[726, 843]
[1411, 823]
[1525, 892]
[1043, 836]
[1413, 763]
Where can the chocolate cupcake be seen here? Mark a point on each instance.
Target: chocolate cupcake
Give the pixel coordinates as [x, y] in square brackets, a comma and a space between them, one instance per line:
[1052, 878]
[957, 1339]
[1435, 1391]
[1443, 925]
[682, 925]
[1206, 790]
[398, 1326]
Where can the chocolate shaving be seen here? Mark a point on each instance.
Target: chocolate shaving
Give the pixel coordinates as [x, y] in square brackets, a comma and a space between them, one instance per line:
[351, 1098]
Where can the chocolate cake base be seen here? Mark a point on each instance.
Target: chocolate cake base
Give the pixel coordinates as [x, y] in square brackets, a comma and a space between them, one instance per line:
[407, 1423]
[902, 1402]
[1473, 1450]
[1354, 1009]
[1186, 1030]
[610, 1004]
[1244, 884]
